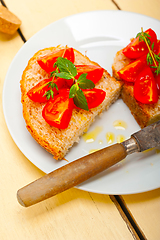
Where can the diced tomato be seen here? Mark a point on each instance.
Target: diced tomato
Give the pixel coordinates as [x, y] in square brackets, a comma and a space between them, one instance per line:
[69, 54]
[158, 46]
[135, 49]
[58, 111]
[69, 83]
[157, 78]
[145, 88]
[157, 53]
[94, 97]
[46, 62]
[131, 71]
[94, 73]
[60, 82]
[37, 93]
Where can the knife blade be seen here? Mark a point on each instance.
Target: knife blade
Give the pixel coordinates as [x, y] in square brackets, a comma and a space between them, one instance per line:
[82, 169]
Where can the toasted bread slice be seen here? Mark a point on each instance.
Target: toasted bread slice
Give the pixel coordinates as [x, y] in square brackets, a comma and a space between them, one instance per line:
[144, 114]
[54, 140]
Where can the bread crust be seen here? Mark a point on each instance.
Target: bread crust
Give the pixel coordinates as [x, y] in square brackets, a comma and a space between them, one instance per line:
[54, 140]
[144, 114]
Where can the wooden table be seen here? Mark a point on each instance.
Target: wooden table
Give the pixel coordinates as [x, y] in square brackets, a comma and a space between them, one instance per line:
[74, 214]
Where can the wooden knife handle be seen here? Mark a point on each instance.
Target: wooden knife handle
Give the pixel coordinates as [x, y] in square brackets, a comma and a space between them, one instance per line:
[70, 175]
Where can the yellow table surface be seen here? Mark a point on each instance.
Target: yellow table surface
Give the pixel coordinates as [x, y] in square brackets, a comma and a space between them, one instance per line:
[74, 214]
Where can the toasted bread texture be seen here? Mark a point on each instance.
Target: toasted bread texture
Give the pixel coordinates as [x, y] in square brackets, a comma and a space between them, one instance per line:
[144, 114]
[54, 140]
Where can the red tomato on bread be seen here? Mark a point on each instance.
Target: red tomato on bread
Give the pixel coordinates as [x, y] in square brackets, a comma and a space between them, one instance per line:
[58, 111]
[131, 71]
[94, 97]
[47, 61]
[157, 79]
[94, 73]
[145, 88]
[37, 93]
[136, 48]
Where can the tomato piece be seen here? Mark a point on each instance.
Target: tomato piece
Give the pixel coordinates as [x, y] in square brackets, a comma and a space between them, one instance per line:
[36, 93]
[69, 54]
[157, 53]
[46, 62]
[58, 111]
[158, 46]
[94, 97]
[135, 49]
[131, 71]
[60, 82]
[157, 78]
[94, 73]
[145, 88]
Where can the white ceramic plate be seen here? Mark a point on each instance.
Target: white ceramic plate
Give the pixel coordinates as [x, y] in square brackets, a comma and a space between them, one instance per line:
[101, 34]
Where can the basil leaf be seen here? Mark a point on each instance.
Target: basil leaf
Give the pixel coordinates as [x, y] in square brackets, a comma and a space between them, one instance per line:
[80, 100]
[67, 66]
[82, 77]
[64, 75]
[85, 83]
[73, 91]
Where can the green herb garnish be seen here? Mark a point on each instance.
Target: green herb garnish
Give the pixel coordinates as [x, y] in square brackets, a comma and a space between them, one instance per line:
[152, 58]
[50, 93]
[67, 70]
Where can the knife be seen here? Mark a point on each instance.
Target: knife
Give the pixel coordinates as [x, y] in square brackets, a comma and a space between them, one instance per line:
[80, 170]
